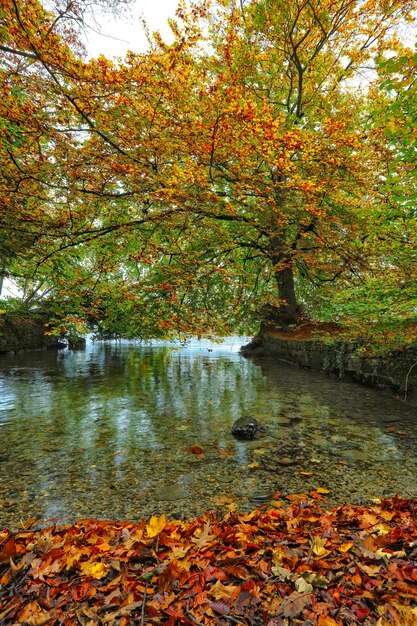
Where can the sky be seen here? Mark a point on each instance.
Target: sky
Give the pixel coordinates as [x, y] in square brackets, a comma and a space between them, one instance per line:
[127, 34]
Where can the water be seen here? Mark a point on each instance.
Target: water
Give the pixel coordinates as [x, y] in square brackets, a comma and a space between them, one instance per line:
[112, 431]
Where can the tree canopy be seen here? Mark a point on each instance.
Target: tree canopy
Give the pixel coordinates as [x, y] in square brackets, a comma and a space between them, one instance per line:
[261, 165]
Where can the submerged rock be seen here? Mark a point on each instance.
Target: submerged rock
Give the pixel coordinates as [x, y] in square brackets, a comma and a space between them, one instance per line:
[170, 492]
[248, 428]
[287, 461]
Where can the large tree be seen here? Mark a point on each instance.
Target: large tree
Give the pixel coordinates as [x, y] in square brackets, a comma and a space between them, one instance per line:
[174, 184]
[281, 132]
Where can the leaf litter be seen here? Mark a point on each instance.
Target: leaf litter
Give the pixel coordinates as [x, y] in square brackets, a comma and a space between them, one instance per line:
[295, 565]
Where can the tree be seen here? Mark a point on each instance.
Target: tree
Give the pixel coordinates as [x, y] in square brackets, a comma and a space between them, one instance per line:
[282, 132]
[186, 179]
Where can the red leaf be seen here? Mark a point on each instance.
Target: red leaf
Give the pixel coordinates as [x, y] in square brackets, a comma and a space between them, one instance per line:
[220, 606]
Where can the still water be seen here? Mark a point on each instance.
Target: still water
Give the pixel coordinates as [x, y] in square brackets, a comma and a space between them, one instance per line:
[112, 432]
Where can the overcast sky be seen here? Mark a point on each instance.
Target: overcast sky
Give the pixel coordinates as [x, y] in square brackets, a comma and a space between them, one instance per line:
[127, 34]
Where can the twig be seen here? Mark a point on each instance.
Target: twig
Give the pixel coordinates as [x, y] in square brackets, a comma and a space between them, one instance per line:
[142, 615]
[406, 380]
[191, 616]
[62, 621]
[232, 619]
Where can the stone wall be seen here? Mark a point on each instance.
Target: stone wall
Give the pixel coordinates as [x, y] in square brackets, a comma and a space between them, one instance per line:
[396, 371]
[23, 334]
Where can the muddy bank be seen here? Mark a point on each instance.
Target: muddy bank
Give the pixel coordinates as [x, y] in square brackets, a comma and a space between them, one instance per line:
[396, 371]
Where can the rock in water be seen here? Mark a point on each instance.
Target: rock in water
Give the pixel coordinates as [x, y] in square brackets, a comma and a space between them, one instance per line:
[248, 428]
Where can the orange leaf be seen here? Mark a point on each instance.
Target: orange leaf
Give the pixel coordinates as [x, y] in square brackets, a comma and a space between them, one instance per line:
[297, 497]
[326, 620]
[197, 450]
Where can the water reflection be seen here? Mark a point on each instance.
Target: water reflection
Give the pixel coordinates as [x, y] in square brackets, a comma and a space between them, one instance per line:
[108, 432]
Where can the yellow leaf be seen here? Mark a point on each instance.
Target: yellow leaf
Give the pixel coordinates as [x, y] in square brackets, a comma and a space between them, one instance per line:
[302, 586]
[276, 504]
[322, 490]
[305, 473]
[95, 569]
[222, 500]
[156, 524]
[178, 552]
[382, 554]
[202, 537]
[388, 515]
[345, 547]
[317, 546]
[254, 464]
[371, 570]
[220, 591]
[33, 615]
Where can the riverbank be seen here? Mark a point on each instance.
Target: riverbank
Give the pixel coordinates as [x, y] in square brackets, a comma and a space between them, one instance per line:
[324, 352]
[19, 333]
[295, 565]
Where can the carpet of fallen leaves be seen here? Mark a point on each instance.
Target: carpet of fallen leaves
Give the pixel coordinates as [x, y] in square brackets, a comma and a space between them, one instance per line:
[295, 565]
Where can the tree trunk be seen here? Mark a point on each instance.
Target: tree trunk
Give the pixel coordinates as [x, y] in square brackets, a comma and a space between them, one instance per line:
[288, 312]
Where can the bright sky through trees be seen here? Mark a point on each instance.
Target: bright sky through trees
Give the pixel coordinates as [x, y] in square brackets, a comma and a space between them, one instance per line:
[113, 37]
[126, 33]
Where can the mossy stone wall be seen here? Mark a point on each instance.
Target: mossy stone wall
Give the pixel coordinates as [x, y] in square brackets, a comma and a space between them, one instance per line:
[396, 371]
[23, 334]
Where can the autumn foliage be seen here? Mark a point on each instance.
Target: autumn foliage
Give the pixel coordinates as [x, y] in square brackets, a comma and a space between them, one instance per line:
[296, 565]
[183, 190]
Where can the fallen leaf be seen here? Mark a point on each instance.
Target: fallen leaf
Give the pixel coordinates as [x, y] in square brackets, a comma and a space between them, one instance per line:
[95, 569]
[326, 620]
[221, 592]
[371, 570]
[317, 546]
[156, 525]
[345, 547]
[222, 500]
[203, 537]
[33, 615]
[295, 603]
[316, 495]
[197, 450]
[276, 504]
[322, 490]
[302, 586]
[220, 606]
[297, 497]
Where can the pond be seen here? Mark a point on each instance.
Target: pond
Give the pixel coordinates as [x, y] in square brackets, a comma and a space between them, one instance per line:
[125, 430]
